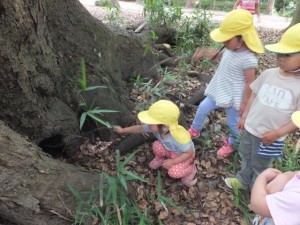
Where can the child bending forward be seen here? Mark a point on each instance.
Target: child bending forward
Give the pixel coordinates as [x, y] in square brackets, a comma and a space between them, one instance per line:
[174, 149]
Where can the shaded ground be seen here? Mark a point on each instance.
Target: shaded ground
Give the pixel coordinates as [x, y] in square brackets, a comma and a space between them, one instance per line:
[207, 202]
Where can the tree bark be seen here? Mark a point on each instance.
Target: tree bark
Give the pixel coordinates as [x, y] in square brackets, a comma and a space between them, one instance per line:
[270, 7]
[34, 187]
[296, 17]
[42, 43]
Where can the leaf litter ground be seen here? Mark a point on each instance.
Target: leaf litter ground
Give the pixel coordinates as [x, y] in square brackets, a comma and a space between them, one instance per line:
[207, 202]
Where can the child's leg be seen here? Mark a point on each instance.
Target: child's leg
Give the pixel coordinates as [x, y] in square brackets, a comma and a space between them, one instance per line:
[232, 121]
[259, 164]
[248, 147]
[182, 169]
[205, 107]
[160, 154]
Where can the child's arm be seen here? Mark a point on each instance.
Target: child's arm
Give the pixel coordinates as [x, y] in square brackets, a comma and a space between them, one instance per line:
[168, 163]
[246, 111]
[129, 130]
[236, 4]
[205, 53]
[271, 136]
[259, 192]
[257, 10]
[249, 77]
[277, 184]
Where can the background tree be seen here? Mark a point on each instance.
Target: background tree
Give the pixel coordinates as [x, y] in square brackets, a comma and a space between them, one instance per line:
[42, 44]
[270, 7]
[296, 17]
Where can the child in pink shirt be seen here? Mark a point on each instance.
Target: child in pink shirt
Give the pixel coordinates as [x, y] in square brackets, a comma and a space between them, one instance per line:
[251, 5]
[276, 196]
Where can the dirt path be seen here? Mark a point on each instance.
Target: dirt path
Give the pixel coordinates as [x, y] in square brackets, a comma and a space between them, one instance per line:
[134, 11]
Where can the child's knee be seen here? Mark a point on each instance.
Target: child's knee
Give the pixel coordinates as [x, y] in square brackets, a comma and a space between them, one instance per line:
[175, 173]
[157, 145]
[158, 148]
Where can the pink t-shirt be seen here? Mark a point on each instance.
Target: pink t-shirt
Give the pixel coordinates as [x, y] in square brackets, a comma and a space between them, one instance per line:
[285, 205]
[248, 5]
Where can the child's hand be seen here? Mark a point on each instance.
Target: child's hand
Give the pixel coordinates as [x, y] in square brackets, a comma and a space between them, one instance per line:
[119, 130]
[168, 163]
[278, 183]
[269, 137]
[198, 55]
[240, 125]
[270, 174]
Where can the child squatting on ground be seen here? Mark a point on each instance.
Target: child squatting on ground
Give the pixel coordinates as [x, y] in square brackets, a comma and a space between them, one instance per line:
[174, 150]
[267, 117]
[275, 196]
[229, 87]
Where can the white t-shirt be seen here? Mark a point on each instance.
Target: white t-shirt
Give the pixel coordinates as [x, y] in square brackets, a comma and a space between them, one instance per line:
[277, 97]
[284, 206]
[227, 85]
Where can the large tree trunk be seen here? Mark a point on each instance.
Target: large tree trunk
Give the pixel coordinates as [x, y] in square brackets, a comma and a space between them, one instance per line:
[42, 43]
[34, 187]
[270, 7]
[296, 18]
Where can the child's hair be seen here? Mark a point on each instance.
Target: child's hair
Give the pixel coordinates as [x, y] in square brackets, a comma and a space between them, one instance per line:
[238, 22]
[167, 113]
[289, 42]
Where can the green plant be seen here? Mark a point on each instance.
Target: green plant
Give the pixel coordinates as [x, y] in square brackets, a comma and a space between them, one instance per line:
[150, 93]
[113, 207]
[193, 32]
[234, 165]
[139, 81]
[113, 10]
[147, 47]
[90, 111]
[163, 199]
[157, 13]
[286, 7]
[290, 161]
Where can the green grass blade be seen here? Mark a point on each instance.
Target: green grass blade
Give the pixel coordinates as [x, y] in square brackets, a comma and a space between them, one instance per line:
[123, 182]
[123, 164]
[173, 204]
[133, 176]
[118, 159]
[83, 82]
[94, 88]
[96, 118]
[159, 185]
[75, 193]
[82, 120]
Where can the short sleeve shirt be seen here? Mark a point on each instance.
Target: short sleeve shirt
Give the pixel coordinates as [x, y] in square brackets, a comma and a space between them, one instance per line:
[227, 85]
[170, 143]
[284, 206]
[277, 97]
[248, 5]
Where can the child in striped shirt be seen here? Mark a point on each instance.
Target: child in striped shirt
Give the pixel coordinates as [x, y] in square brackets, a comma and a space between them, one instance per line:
[229, 87]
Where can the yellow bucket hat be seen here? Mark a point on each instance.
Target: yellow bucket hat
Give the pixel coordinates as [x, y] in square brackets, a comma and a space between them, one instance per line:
[167, 113]
[296, 118]
[289, 42]
[239, 22]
